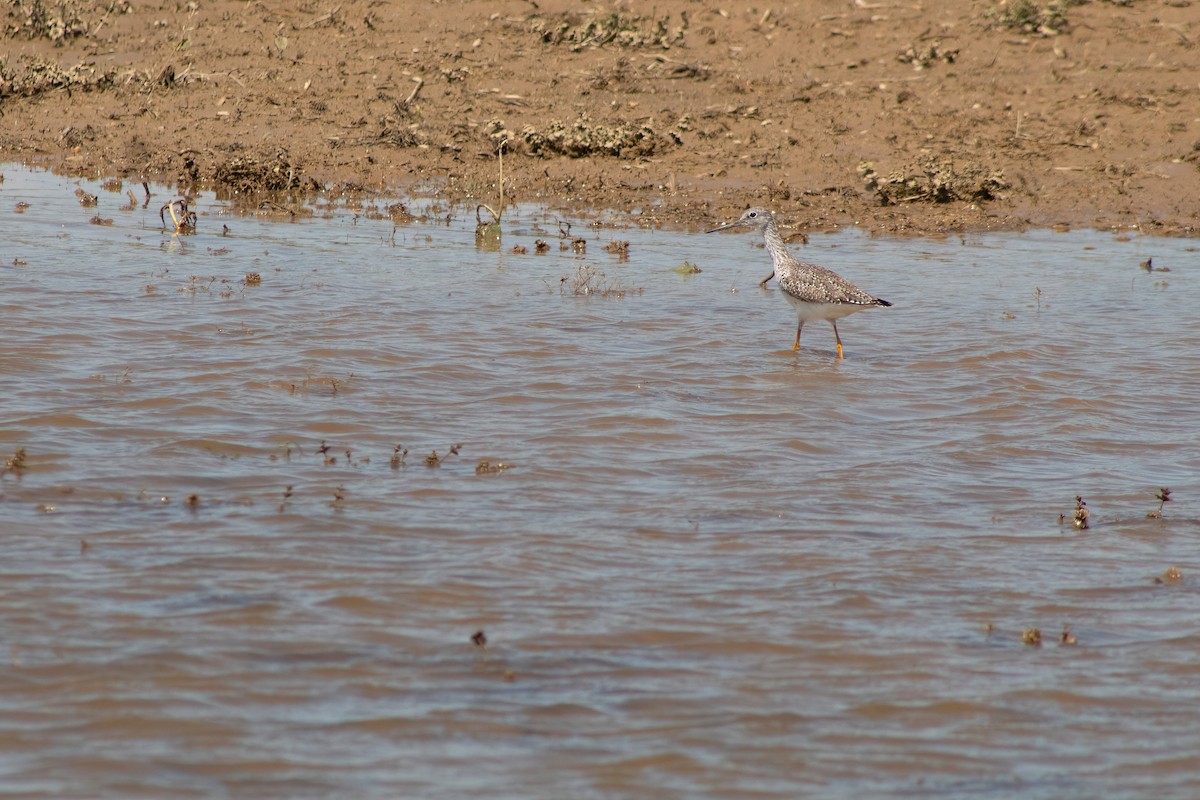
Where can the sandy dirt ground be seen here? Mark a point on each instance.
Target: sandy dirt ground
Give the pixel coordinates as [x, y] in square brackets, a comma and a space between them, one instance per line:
[908, 117]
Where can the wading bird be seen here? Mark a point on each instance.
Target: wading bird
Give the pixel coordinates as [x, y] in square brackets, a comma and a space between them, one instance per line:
[815, 292]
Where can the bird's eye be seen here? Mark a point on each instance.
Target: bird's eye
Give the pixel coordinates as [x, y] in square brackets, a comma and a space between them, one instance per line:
[753, 214]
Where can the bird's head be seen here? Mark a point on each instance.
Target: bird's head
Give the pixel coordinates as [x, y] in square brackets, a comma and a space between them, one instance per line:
[756, 218]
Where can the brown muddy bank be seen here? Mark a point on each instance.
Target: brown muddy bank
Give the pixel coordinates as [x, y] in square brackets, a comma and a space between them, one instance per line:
[897, 117]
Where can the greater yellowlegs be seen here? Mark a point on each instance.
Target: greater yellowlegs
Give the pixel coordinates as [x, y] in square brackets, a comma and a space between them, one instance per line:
[815, 292]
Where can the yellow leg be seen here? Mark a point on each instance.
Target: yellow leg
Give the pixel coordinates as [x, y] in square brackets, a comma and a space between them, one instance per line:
[838, 338]
[799, 326]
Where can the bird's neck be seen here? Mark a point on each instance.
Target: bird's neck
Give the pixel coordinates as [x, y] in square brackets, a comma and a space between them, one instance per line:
[780, 256]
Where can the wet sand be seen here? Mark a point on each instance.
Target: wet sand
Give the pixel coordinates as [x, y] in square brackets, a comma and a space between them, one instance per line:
[897, 117]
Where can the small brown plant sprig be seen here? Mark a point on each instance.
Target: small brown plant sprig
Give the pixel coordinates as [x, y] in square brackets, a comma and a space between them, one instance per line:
[1163, 497]
[434, 460]
[479, 639]
[1066, 637]
[590, 282]
[398, 454]
[1081, 514]
[287, 495]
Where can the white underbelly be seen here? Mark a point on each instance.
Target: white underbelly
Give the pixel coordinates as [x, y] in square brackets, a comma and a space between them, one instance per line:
[811, 312]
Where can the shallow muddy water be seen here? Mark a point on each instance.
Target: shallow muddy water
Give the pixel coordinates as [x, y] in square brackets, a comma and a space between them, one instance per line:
[712, 567]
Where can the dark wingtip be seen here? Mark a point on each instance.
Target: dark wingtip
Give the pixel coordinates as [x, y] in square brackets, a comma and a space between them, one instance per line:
[884, 303]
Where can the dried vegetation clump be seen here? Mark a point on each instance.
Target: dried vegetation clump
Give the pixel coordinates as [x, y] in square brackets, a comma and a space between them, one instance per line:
[614, 29]
[933, 181]
[583, 138]
[250, 175]
[925, 57]
[59, 21]
[1033, 16]
[38, 76]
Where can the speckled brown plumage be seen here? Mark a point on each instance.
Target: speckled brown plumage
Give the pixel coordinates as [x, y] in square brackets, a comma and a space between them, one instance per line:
[813, 291]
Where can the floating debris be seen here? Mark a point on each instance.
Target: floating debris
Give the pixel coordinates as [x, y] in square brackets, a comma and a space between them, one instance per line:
[618, 247]
[87, 200]
[1032, 637]
[1172, 575]
[541, 246]
[253, 279]
[1081, 513]
[400, 214]
[16, 463]
[479, 639]
[486, 467]
[519, 250]
[287, 495]
[688, 268]
[1066, 637]
[185, 219]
